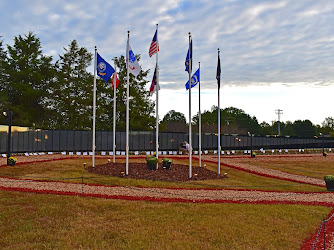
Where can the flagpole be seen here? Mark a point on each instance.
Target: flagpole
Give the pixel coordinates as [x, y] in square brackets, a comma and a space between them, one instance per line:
[114, 118]
[127, 106]
[199, 118]
[94, 109]
[157, 104]
[219, 148]
[190, 144]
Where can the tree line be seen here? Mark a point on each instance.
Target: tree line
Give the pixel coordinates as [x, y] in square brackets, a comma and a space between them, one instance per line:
[236, 121]
[48, 93]
[58, 94]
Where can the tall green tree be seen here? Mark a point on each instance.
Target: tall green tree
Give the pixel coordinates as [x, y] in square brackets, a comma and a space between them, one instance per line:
[328, 123]
[174, 121]
[327, 126]
[287, 128]
[72, 95]
[233, 120]
[71, 102]
[266, 129]
[244, 122]
[29, 75]
[141, 106]
[304, 128]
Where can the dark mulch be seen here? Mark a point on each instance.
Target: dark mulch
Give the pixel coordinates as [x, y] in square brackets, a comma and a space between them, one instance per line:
[177, 172]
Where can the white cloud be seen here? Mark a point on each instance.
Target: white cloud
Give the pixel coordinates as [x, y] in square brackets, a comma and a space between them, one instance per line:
[52, 53]
[262, 42]
[39, 9]
[310, 13]
[168, 5]
[258, 9]
[54, 18]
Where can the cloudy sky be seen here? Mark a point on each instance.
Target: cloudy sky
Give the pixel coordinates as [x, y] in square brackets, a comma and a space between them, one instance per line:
[274, 54]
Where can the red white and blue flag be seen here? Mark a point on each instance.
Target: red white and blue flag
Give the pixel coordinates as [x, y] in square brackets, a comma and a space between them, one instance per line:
[154, 47]
[113, 80]
[132, 61]
[153, 87]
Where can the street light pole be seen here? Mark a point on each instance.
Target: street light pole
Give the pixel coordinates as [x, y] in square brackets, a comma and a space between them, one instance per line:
[9, 115]
[323, 144]
[251, 147]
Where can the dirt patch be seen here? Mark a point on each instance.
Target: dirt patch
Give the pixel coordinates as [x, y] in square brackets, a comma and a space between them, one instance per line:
[177, 172]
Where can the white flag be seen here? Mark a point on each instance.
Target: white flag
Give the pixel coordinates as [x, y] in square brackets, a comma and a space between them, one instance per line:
[133, 63]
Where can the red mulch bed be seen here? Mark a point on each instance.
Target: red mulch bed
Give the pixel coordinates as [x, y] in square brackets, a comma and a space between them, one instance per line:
[177, 172]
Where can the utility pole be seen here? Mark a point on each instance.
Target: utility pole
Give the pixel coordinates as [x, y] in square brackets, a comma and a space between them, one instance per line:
[279, 112]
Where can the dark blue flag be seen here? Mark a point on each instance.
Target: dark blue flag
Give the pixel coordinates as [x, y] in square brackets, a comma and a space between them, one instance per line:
[189, 57]
[218, 71]
[194, 80]
[104, 69]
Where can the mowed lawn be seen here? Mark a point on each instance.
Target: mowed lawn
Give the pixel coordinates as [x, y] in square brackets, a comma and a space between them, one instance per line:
[72, 170]
[40, 221]
[308, 165]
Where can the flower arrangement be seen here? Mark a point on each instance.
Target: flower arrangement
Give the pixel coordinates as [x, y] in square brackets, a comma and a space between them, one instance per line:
[12, 161]
[166, 163]
[167, 160]
[148, 157]
[152, 159]
[151, 162]
[329, 179]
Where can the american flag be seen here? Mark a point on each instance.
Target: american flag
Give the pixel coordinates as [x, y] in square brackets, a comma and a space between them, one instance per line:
[153, 47]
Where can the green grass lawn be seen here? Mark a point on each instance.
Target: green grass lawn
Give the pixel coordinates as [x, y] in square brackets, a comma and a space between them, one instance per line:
[39, 221]
[72, 170]
[316, 167]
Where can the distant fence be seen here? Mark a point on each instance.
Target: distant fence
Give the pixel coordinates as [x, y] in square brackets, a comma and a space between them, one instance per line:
[68, 140]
